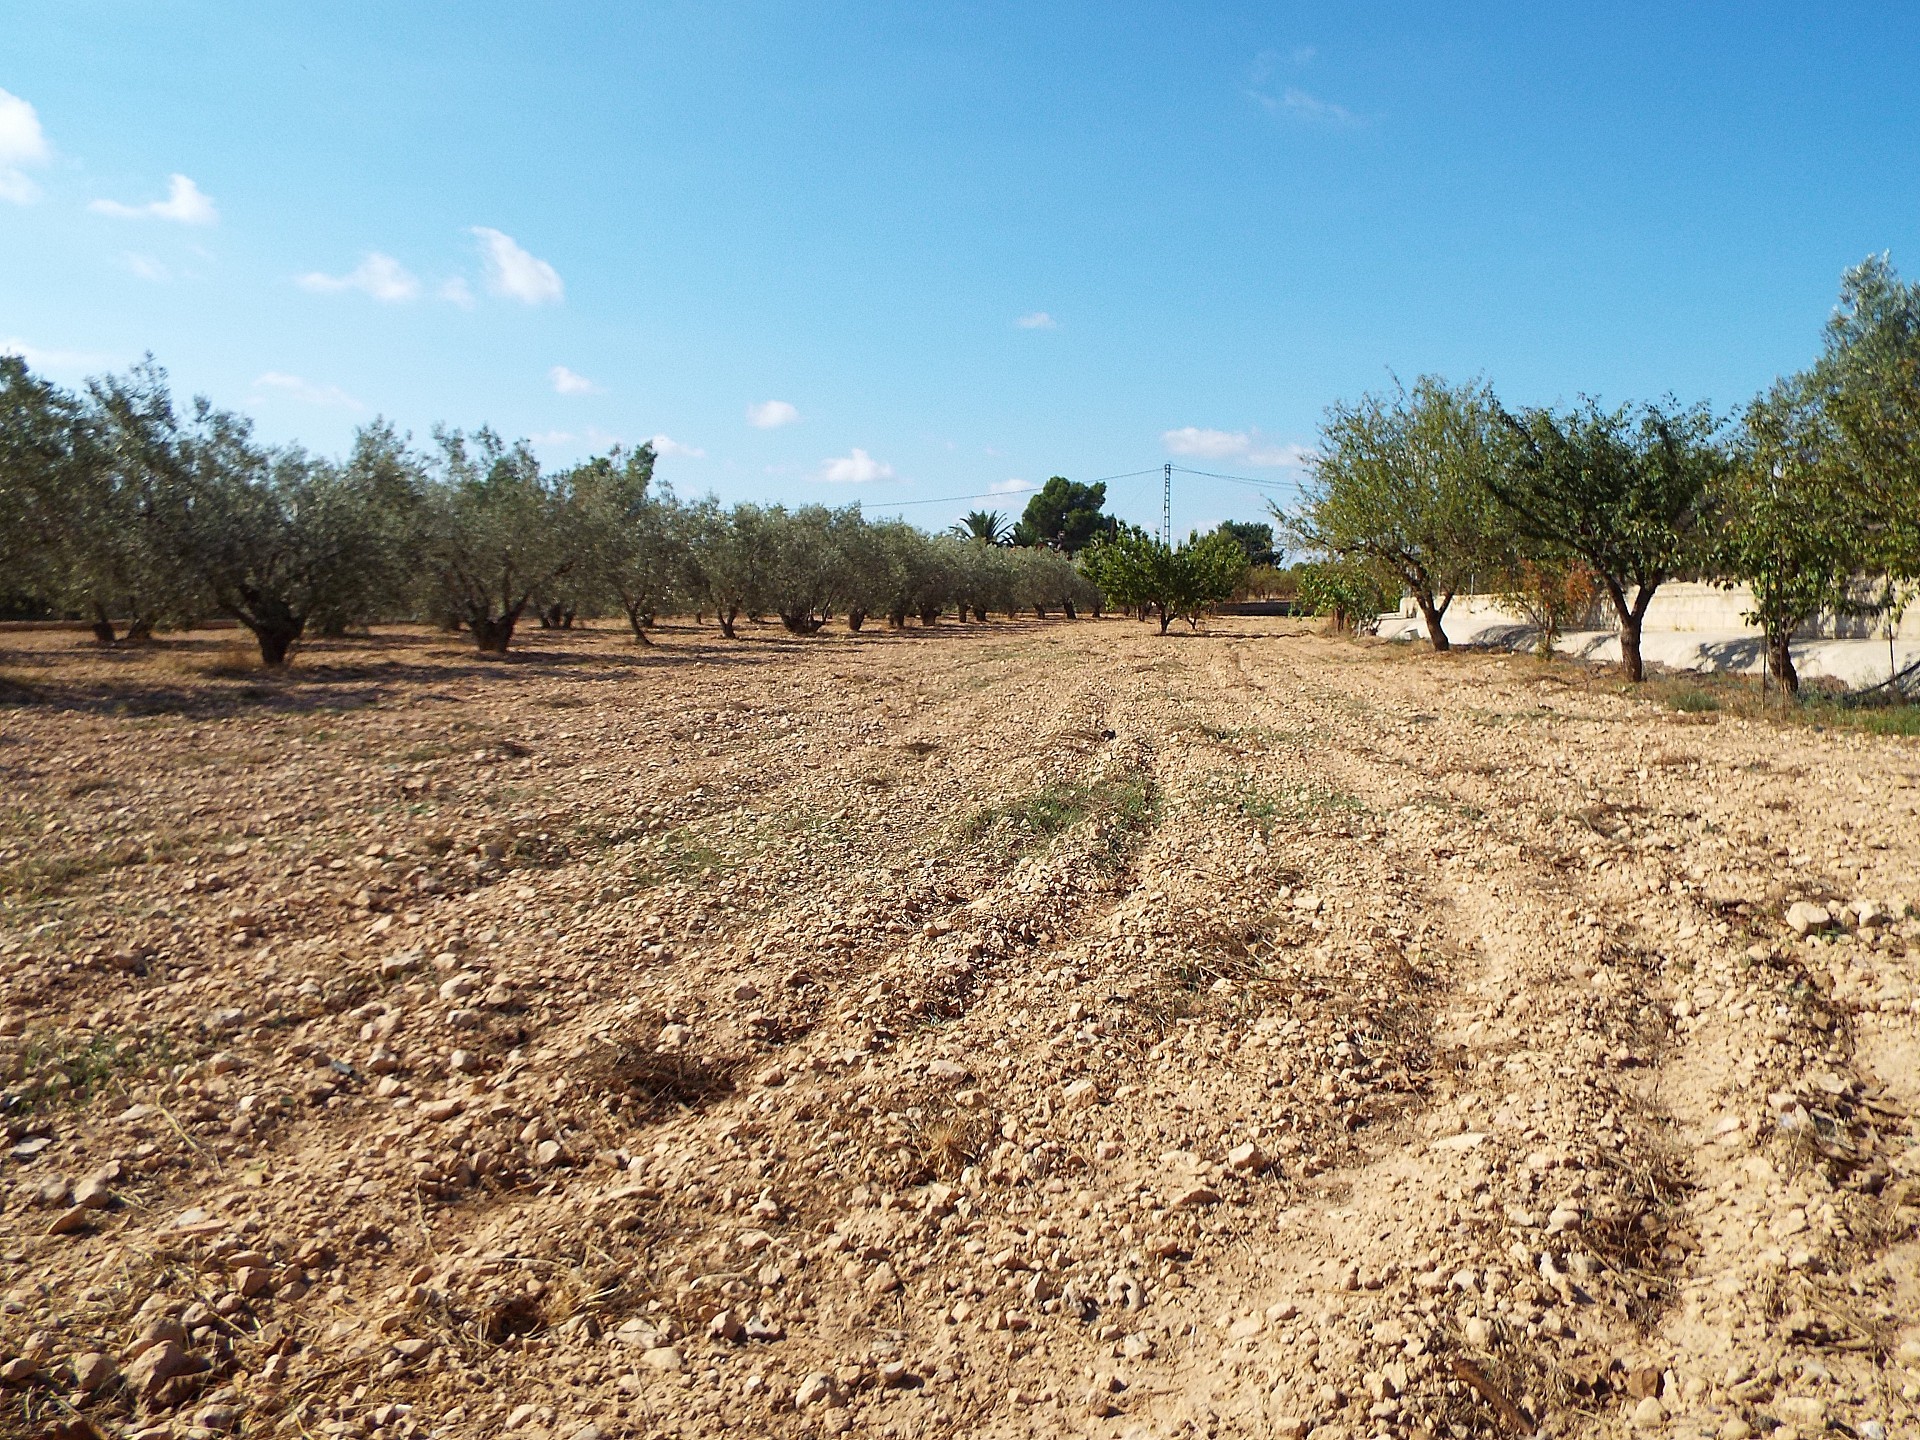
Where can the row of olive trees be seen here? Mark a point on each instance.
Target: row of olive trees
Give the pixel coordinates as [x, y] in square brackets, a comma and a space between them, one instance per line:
[1810, 496]
[118, 505]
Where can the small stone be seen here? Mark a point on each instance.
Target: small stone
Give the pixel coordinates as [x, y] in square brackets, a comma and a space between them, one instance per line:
[1196, 1197]
[883, 1280]
[438, 1109]
[459, 987]
[1649, 1414]
[1805, 918]
[818, 1388]
[71, 1221]
[1081, 1095]
[663, 1358]
[19, 1370]
[93, 1193]
[251, 1281]
[586, 1432]
[1735, 1429]
[160, 1363]
[1802, 1410]
[726, 1326]
[949, 1072]
[413, 1349]
[94, 1371]
[1247, 1158]
[1477, 1332]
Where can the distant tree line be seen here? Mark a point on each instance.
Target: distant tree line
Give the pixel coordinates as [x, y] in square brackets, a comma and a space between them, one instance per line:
[1810, 495]
[121, 506]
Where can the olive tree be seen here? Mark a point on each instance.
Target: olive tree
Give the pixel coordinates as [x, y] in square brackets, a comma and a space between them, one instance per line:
[1626, 491]
[1399, 485]
[497, 534]
[634, 538]
[41, 474]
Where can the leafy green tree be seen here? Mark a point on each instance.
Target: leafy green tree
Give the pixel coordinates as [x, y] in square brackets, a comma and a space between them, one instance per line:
[988, 526]
[1868, 380]
[633, 538]
[388, 480]
[1341, 591]
[732, 558]
[1134, 569]
[1791, 530]
[1627, 492]
[42, 473]
[1399, 485]
[1256, 539]
[1063, 516]
[115, 556]
[498, 534]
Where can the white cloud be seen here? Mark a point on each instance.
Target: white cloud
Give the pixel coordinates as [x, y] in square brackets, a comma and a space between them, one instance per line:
[147, 268]
[186, 204]
[1308, 107]
[548, 439]
[68, 361]
[771, 415]
[666, 445]
[1242, 445]
[859, 468]
[456, 292]
[566, 382]
[306, 391]
[1038, 320]
[22, 143]
[381, 276]
[514, 273]
[1008, 487]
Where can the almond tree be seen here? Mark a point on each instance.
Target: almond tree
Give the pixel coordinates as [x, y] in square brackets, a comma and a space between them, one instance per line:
[1626, 491]
[1399, 486]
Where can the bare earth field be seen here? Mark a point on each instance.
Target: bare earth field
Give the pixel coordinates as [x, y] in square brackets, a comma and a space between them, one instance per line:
[999, 1030]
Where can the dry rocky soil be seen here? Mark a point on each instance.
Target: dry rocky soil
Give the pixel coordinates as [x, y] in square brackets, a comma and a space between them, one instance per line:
[1019, 1029]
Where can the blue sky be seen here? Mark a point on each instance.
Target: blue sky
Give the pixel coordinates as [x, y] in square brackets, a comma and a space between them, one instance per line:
[902, 252]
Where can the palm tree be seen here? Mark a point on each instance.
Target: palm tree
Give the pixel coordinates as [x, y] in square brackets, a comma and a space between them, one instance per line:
[987, 526]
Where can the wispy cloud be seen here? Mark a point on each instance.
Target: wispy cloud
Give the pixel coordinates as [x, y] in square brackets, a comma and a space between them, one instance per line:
[516, 274]
[858, 468]
[456, 292]
[146, 267]
[771, 415]
[1290, 99]
[22, 143]
[1038, 320]
[1008, 487]
[1295, 101]
[1245, 446]
[306, 391]
[186, 204]
[568, 382]
[666, 445]
[41, 357]
[381, 276]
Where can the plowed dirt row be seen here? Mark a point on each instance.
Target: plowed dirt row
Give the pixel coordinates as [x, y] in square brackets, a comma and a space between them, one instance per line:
[1000, 1030]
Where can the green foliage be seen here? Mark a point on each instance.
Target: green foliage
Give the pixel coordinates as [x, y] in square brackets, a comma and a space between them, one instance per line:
[1134, 569]
[498, 533]
[1625, 491]
[1344, 593]
[1063, 516]
[1400, 488]
[1255, 539]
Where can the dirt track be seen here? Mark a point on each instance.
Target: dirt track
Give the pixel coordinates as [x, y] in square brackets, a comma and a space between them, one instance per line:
[1011, 1029]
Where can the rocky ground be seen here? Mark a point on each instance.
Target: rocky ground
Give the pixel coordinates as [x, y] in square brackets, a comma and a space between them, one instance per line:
[1003, 1030]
